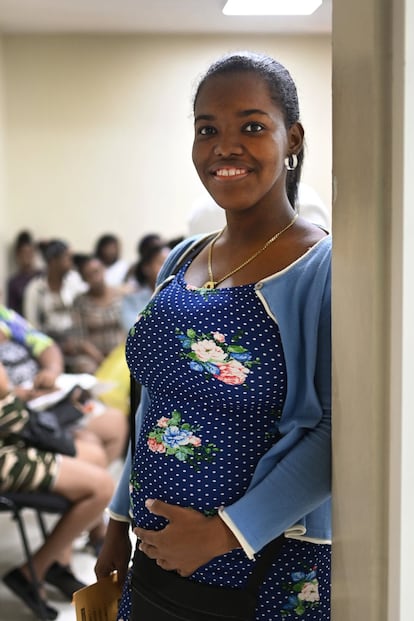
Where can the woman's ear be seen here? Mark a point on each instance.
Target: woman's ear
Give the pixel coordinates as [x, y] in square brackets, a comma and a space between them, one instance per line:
[295, 138]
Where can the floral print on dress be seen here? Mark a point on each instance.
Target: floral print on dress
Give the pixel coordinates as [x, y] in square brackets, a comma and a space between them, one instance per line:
[203, 291]
[304, 593]
[174, 438]
[210, 354]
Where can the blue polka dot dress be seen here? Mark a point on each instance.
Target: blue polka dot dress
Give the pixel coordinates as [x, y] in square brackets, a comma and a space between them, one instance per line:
[213, 364]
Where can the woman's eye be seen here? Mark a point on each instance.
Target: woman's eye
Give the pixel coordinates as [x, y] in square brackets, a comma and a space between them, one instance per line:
[253, 127]
[206, 131]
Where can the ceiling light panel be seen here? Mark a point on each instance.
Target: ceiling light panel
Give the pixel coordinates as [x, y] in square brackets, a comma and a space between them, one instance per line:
[271, 7]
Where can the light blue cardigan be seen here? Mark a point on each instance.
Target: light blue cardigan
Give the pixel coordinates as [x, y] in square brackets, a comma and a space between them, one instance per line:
[291, 486]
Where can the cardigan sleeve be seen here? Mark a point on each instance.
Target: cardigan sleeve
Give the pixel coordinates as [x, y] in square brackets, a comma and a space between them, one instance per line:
[292, 481]
[119, 507]
[297, 485]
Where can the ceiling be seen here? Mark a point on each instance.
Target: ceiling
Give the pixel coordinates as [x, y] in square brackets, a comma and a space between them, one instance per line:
[148, 16]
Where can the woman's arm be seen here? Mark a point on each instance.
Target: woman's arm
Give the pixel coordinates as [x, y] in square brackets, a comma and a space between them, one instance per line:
[120, 503]
[4, 382]
[116, 551]
[51, 366]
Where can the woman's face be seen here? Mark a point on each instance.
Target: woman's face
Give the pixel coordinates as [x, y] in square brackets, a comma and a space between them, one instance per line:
[25, 257]
[153, 267]
[241, 141]
[93, 273]
[63, 263]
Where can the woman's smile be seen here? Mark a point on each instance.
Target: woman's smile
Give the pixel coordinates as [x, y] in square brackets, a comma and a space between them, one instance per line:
[230, 173]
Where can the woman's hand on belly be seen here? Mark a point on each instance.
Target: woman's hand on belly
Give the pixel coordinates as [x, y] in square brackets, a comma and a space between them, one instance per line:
[189, 541]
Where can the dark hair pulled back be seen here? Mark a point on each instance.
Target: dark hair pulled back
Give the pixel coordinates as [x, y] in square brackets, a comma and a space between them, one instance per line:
[282, 90]
[53, 249]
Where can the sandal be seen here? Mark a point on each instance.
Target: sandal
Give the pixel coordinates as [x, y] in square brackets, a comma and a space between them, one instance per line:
[24, 589]
[61, 577]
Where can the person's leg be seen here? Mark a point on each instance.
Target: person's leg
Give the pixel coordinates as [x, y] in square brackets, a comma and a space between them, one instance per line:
[90, 488]
[93, 452]
[111, 427]
[89, 448]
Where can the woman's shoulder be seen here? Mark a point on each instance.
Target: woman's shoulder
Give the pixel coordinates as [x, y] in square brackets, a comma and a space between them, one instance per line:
[312, 265]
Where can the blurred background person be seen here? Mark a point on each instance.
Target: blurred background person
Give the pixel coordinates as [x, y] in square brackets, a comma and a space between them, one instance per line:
[27, 262]
[108, 250]
[97, 318]
[48, 298]
[145, 243]
[145, 275]
[84, 482]
[33, 363]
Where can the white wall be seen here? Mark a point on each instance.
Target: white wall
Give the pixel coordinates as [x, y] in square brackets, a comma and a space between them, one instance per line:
[99, 129]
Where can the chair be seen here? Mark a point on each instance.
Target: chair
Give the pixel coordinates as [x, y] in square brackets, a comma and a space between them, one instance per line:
[40, 503]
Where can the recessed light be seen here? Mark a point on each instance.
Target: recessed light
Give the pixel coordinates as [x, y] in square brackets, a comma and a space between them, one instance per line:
[271, 7]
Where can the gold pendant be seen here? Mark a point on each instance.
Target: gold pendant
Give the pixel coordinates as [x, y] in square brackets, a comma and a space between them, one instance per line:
[210, 284]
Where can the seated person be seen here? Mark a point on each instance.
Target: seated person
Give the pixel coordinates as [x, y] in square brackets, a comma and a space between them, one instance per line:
[88, 486]
[24, 251]
[108, 250]
[30, 356]
[144, 245]
[48, 299]
[145, 273]
[96, 317]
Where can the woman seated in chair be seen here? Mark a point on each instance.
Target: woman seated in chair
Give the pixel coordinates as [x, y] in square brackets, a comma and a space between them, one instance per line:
[83, 480]
[97, 327]
[32, 357]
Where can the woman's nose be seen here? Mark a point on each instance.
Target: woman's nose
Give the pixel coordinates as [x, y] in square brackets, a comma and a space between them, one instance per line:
[227, 144]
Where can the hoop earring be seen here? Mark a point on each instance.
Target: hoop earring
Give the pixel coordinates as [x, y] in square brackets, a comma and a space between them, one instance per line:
[291, 161]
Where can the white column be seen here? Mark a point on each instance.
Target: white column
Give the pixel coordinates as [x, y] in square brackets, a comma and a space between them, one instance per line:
[401, 447]
[373, 225]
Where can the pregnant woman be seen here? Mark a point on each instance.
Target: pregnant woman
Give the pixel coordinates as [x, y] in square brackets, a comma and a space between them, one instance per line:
[229, 485]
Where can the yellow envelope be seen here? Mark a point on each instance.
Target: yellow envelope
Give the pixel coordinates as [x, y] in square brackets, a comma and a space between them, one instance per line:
[99, 601]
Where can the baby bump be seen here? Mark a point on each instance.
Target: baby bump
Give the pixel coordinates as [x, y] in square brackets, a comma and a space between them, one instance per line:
[202, 465]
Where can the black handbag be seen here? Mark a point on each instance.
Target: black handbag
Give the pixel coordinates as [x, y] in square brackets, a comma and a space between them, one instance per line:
[44, 431]
[68, 410]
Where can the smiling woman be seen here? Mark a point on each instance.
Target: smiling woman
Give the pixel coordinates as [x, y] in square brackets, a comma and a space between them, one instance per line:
[230, 481]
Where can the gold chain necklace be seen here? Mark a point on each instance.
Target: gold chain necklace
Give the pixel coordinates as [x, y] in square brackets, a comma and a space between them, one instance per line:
[211, 283]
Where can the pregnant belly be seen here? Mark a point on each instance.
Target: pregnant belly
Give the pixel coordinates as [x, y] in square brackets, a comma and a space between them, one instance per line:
[202, 476]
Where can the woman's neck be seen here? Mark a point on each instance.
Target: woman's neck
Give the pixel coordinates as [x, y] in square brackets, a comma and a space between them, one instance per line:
[55, 281]
[249, 228]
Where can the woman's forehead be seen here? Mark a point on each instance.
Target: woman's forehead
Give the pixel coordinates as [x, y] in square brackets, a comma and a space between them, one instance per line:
[243, 91]
[248, 87]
